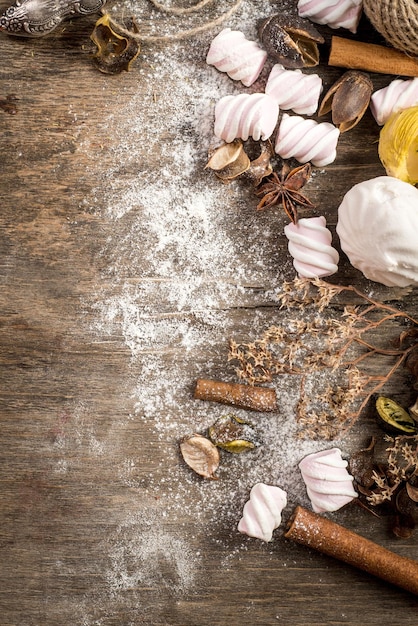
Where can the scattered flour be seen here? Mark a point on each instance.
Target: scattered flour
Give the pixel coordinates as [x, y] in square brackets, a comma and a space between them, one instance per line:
[172, 277]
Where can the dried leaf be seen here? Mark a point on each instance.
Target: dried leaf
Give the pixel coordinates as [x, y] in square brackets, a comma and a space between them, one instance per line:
[201, 455]
[116, 49]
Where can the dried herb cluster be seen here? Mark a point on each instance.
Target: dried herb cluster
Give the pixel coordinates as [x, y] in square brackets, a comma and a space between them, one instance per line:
[391, 487]
[343, 348]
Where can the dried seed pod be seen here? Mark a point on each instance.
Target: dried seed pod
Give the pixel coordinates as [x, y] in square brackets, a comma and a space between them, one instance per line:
[412, 491]
[393, 418]
[413, 410]
[201, 455]
[233, 434]
[229, 160]
[116, 50]
[261, 166]
[348, 99]
[291, 40]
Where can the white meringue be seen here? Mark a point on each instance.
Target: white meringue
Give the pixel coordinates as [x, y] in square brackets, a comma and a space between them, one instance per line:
[263, 511]
[378, 230]
[328, 483]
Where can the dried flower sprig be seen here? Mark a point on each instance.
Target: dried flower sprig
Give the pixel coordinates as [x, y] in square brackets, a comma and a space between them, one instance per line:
[317, 341]
[390, 487]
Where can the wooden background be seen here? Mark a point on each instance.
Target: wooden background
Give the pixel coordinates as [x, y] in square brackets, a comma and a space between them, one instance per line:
[89, 534]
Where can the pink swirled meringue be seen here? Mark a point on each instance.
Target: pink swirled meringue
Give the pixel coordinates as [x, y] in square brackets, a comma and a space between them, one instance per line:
[245, 115]
[263, 512]
[307, 140]
[240, 58]
[310, 247]
[399, 94]
[333, 13]
[292, 89]
[328, 483]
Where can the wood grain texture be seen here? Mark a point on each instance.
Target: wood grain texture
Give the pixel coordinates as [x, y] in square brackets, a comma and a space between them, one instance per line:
[89, 534]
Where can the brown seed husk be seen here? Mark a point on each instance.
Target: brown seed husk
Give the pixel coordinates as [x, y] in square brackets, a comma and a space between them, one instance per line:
[347, 99]
[291, 40]
[229, 160]
[201, 455]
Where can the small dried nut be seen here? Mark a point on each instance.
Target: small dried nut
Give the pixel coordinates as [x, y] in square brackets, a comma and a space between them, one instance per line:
[347, 99]
[291, 40]
[229, 161]
[201, 455]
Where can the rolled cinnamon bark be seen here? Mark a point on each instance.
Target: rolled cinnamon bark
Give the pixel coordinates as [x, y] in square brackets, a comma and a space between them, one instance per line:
[324, 535]
[370, 57]
[242, 396]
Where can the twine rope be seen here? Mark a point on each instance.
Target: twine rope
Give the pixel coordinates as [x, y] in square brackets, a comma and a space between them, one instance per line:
[179, 11]
[397, 21]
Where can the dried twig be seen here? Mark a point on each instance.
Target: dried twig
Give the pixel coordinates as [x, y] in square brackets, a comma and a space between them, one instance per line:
[344, 347]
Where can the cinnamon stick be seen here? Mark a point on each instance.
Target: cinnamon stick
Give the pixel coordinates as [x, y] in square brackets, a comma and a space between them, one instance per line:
[242, 396]
[370, 57]
[324, 535]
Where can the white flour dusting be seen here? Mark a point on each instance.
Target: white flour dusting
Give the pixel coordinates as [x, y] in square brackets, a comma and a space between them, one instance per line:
[183, 252]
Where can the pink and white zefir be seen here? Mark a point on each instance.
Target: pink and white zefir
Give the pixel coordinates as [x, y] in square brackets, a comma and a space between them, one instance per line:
[328, 483]
[398, 95]
[245, 115]
[242, 59]
[310, 247]
[333, 13]
[307, 140]
[263, 512]
[293, 89]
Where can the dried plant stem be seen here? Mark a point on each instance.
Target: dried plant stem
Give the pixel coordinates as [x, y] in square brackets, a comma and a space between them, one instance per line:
[339, 346]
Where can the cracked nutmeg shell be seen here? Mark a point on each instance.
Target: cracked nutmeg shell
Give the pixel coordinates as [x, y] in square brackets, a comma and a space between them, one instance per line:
[347, 99]
[291, 40]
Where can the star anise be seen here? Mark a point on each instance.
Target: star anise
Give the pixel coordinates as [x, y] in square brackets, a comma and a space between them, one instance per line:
[283, 189]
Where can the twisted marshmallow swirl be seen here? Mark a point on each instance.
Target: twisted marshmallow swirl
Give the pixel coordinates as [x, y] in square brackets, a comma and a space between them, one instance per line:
[245, 115]
[240, 58]
[292, 89]
[328, 483]
[334, 13]
[310, 247]
[307, 140]
[399, 94]
[263, 511]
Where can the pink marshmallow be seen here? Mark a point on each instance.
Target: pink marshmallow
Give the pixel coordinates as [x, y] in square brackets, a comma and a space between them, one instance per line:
[263, 511]
[328, 483]
[245, 115]
[310, 247]
[240, 58]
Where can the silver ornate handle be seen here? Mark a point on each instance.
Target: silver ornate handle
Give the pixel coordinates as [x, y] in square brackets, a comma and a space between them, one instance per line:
[34, 18]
